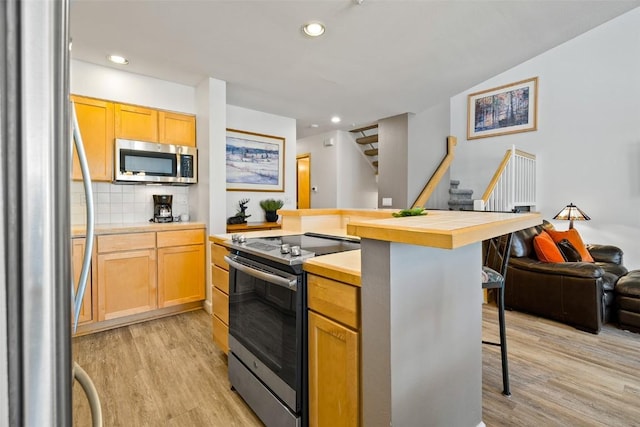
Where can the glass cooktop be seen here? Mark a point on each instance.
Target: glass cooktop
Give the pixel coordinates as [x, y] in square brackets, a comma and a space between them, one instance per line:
[309, 245]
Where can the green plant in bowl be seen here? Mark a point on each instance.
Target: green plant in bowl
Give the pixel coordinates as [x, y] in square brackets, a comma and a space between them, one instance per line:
[410, 212]
[270, 207]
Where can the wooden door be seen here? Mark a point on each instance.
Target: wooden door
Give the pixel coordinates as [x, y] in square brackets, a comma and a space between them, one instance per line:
[77, 255]
[334, 378]
[175, 128]
[303, 168]
[180, 275]
[126, 283]
[95, 120]
[138, 123]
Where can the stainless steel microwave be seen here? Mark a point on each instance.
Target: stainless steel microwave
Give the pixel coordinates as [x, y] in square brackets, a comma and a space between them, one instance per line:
[150, 162]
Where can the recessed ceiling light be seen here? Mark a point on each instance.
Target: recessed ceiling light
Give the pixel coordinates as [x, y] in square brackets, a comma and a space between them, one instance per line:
[335, 119]
[314, 125]
[313, 29]
[117, 59]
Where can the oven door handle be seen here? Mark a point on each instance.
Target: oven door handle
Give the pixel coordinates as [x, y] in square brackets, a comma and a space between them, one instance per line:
[269, 277]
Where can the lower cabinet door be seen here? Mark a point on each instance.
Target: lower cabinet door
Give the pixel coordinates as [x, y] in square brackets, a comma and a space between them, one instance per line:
[180, 275]
[77, 255]
[126, 283]
[334, 376]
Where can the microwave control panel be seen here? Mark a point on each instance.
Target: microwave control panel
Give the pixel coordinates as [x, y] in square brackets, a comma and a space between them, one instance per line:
[186, 166]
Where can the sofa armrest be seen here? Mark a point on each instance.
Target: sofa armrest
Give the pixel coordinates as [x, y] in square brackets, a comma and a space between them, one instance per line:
[606, 253]
[574, 269]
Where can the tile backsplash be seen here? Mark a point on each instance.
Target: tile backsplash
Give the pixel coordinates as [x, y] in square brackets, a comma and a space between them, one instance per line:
[124, 204]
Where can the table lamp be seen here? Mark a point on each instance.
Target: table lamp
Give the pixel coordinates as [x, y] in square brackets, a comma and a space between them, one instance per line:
[572, 212]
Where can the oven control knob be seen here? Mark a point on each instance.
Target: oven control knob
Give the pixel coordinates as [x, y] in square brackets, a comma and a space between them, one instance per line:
[295, 251]
[285, 248]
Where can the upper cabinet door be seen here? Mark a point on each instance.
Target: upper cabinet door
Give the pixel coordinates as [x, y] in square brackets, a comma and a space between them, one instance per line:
[177, 128]
[95, 119]
[138, 123]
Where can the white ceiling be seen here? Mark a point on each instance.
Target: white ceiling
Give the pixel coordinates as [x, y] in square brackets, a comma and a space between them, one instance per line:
[377, 59]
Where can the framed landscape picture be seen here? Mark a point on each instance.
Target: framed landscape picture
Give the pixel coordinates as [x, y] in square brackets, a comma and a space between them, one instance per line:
[255, 162]
[503, 110]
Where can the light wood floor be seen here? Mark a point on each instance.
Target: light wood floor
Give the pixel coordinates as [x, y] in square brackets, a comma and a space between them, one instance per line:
[168, 372]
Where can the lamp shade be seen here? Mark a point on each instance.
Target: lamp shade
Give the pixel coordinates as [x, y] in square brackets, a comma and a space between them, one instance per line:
[572, 213]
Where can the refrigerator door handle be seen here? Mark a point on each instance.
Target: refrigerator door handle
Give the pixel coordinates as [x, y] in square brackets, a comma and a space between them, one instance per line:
[92, 394]
[88, 249]
[78, 373]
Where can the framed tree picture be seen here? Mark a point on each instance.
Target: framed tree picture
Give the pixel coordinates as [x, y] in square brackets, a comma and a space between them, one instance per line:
[254, 162]
[503, 110]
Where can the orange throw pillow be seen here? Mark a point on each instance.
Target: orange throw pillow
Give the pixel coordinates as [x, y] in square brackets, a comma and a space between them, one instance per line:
[546, 249]
[572, 236]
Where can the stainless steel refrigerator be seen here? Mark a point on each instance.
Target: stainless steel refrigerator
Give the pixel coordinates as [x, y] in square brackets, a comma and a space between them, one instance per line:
[35, 295]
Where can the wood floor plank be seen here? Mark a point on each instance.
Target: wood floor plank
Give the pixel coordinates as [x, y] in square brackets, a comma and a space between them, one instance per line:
[561, 376]
[168, 372]
[165, 372]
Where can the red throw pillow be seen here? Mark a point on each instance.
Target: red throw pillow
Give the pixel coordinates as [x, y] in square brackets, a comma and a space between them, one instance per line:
[573, 236]
[546, 248]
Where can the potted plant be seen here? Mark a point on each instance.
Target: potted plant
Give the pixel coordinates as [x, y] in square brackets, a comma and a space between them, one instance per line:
[270, 207]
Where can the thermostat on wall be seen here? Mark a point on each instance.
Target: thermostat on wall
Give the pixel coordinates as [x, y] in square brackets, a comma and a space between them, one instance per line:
[329, 142]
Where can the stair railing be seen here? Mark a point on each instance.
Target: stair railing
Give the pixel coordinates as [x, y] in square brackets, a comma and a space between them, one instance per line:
[437, 176]
[513, 184]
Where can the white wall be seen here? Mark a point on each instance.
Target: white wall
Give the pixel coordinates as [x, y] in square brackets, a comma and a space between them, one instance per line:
[266, 124]
[341, 173]
[428, 133]
[323, 168]
[119, 85]
[588, 138]
[208, 199]
[356, 182]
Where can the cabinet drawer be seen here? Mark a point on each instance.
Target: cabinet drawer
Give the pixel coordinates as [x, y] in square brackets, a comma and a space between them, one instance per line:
[220, 334]
[220, 279]
[335, 300]
[221, 305]
[180, 238]
[217, 256]
[126, 242]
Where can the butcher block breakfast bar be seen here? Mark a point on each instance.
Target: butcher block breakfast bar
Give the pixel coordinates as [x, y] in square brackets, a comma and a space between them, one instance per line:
[395, 327]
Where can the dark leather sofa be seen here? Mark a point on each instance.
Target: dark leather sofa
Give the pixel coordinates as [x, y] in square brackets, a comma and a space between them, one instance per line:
[576, 293]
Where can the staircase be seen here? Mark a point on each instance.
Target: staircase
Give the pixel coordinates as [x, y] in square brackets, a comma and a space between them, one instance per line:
[460, 199]
[368, 143]
[513, 186]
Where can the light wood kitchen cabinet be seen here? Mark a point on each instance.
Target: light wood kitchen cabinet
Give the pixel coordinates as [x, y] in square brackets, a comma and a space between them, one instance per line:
[134, 122]
[180, 267]
[126, 274]
[96, 121]
[77, 255]
[334, 352]
[176, 128]
[220, 296]
[148, 124]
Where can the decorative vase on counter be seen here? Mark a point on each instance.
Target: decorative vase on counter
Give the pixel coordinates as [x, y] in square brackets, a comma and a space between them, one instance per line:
[270, 207]
[271, 216]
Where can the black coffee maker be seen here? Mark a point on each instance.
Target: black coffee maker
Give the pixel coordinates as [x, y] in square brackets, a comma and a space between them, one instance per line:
[162, 208]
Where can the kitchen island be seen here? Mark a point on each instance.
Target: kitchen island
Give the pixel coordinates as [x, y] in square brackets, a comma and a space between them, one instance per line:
[416, 335]
[422, 315]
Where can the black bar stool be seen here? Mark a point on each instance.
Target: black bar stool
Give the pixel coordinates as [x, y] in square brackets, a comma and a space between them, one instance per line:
[494, 271]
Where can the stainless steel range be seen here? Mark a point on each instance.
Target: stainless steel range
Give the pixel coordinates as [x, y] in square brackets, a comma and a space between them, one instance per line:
[268, 322]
